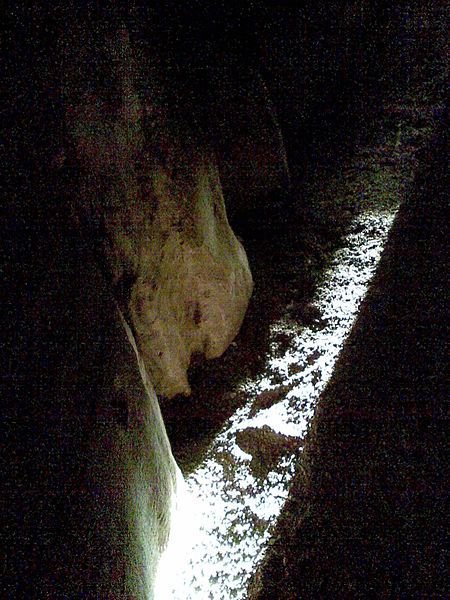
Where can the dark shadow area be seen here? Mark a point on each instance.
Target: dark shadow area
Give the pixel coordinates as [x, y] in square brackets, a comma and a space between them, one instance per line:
[287, 261]
[375, 497]
[366, 517]
[330, 103]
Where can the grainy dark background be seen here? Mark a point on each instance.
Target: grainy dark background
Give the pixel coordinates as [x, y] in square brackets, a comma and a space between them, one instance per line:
[370, 515]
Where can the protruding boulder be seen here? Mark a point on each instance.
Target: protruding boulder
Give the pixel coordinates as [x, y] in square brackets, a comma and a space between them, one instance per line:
[193, 282]
[154, 200]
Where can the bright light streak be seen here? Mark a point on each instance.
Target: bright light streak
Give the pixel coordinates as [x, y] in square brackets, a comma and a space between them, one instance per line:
[228, 508]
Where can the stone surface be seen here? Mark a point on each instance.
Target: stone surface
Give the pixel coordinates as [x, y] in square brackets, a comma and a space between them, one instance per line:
[156, 201]
[194, 282]
[117, 264]
[88, 478]
[266, 447]
[253, 161]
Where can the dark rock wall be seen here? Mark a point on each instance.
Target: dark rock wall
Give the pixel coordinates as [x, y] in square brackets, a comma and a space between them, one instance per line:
[87, 472]
[367, 512]
[106, 106]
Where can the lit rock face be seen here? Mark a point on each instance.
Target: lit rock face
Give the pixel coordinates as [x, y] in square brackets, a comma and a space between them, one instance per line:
[88, 477]
[123, 265]
[120, 264]
[180, 272]
[193, 283]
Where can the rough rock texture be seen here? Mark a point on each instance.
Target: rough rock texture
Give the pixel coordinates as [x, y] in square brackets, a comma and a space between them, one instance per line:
[157, 202]
[112, 209]
[193, 283]
[88, 478]
[253, 162]
[367, 515]
[265, 446]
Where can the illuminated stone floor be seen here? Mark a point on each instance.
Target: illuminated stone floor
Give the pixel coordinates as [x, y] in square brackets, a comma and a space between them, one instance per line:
[239, 489]
[235, 494]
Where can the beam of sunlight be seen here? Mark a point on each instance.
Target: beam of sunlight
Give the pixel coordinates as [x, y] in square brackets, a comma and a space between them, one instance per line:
[235, 496]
